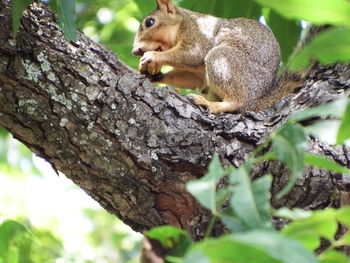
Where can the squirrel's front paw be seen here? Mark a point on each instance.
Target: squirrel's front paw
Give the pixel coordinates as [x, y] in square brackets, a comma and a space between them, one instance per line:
[149, 63]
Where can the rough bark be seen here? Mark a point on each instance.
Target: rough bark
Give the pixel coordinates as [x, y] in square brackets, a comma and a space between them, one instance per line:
[131, 145]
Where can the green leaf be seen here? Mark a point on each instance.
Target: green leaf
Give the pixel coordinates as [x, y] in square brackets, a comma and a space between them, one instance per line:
[279, 247]
[344, 240]
[67, 18]
[330, 46]
[8, 230]
[311, 242]
[325, 163]
[176, 241]
[3, 132]
[204, 189]
[18, 6]
[332, 256]
[251, 200]
[292, 214]
[196, 257]
[14, 241]
[227, 250]
[251, 247]
[310, 230]
[232, 222]
[344, 130]
[289, 144]
[145, 6]
[336, 12]
[205, 6]
[237, 8]
[324, 130]
[287, 33]
[12, 256]
[335, 108]
[343, 215]
[225, 9]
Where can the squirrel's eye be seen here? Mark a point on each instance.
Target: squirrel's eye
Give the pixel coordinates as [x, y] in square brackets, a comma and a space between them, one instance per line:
[149, 22]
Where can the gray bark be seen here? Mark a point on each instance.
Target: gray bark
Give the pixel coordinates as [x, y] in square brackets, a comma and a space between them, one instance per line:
[132, 146]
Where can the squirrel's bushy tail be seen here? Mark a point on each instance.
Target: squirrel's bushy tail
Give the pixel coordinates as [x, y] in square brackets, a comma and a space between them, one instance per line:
[289, 81]
[285, 85]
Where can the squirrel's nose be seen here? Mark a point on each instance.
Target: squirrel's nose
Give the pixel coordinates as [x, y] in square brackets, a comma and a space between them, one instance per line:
[138, 51]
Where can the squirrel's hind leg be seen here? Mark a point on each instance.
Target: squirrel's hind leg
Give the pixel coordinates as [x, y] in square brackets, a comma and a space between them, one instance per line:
[182, 79]
[215, 106]
[228, 77]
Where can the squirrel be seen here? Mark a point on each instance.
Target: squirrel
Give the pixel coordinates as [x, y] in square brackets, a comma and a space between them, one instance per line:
[233, 62]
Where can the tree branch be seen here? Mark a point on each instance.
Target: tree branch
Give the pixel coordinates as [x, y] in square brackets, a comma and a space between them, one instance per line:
[131, 145]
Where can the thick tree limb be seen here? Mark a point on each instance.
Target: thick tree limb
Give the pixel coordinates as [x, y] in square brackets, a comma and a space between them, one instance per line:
[131, 145]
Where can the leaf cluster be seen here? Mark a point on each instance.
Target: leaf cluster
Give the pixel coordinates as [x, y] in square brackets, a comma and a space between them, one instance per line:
[22, 244]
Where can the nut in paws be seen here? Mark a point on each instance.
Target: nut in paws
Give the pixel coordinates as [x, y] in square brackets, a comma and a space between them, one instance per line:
[149, 63]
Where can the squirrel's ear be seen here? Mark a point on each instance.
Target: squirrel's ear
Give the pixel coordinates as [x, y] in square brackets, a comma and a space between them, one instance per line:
[166, 6]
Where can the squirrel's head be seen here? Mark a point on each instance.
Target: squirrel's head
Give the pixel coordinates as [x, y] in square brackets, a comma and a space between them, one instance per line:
[158, 30]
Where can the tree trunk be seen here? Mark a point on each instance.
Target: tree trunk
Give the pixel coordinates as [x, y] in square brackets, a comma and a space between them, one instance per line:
[132, 146]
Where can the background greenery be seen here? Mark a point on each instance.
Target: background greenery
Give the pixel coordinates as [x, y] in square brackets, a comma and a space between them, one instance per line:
[45, 218]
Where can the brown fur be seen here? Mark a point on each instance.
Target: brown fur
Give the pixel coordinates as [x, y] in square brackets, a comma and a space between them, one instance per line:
[233, 62]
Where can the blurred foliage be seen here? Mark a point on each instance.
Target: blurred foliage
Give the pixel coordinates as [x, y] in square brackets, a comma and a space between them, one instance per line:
[114, 23]
[67, 18]
[35, 210]
[24, 244]
[117, 245]
[22, 241]
[18, 7]
[14, 155]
